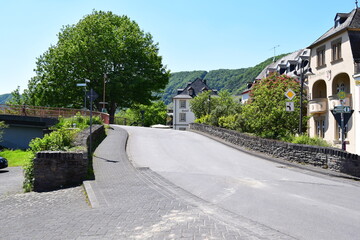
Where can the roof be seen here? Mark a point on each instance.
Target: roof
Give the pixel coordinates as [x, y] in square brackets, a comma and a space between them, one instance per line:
[347, 21]
[194, 88]
[292, 57]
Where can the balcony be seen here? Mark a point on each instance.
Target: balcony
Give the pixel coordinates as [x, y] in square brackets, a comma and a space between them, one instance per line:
[335, 101]
[318, 105]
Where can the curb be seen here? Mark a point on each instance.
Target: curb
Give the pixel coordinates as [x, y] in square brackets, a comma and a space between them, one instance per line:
[91, 194]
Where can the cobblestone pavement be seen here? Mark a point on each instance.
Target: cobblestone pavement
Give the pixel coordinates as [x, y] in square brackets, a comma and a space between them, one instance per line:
[132, 204]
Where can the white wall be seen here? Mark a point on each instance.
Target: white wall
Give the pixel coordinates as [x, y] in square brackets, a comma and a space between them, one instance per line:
[190, 117]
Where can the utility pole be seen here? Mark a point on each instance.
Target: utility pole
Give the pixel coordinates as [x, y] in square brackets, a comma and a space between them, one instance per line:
[274, 58]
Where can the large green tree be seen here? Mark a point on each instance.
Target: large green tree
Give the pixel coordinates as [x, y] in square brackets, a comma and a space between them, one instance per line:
[100, 47]
[266, 115]
[146, 115]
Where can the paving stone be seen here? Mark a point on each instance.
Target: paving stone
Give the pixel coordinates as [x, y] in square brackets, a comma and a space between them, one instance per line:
[133, 204]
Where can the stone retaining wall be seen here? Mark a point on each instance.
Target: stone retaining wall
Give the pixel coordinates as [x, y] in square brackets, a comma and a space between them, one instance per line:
[332, 158]
[55, 170]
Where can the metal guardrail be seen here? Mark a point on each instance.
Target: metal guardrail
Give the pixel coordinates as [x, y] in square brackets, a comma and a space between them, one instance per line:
[48, 112]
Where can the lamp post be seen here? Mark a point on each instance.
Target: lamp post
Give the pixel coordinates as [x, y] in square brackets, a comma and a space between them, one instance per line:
[303, 72]
[104, 87]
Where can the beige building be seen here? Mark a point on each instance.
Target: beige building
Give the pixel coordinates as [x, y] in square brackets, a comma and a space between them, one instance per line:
[335, 60]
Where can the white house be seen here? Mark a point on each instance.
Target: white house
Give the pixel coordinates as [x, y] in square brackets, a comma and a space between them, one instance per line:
[182, 114]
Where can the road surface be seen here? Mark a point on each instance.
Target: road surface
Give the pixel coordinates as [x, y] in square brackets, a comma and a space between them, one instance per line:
[299, 203]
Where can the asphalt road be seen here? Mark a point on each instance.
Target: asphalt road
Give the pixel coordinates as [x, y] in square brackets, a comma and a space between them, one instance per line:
[11, 180]
[302, 204]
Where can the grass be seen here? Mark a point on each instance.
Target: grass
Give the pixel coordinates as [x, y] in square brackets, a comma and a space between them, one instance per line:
[16, 157]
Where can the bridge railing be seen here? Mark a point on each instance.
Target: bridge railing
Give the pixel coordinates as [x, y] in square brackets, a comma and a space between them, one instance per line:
[48, 112]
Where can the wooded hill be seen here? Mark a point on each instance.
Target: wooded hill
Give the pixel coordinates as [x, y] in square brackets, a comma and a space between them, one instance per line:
[4, 98]
[233, 80]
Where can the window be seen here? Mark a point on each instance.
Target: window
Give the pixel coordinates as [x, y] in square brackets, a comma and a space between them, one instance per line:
[182, 117]
[320, 52]
[336, 50]
[339, 131]
[320, 128]
[182, 103]
[340, 87]
[182, 129]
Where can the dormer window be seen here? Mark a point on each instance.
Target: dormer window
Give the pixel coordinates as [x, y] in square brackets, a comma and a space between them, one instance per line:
[191, 91]
[340, 18]
[337, 21]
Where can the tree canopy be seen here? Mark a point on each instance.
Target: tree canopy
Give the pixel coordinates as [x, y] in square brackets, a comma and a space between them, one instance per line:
[266, 115]
[101, 47]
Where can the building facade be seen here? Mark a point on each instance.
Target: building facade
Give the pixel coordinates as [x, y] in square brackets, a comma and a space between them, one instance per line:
[287, 65]
[335, 61]
[182, 114]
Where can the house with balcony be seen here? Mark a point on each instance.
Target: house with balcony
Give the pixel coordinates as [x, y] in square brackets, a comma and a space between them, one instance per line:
[335, 62]
[182, 114]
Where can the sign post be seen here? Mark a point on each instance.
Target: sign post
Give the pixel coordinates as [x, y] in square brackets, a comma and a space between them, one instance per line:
[92, 95]
[342, 115]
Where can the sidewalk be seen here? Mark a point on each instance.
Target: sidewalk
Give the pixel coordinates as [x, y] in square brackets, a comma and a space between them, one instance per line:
[143, 205]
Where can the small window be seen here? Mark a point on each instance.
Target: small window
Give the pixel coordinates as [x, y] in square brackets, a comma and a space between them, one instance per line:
[336, 50]
[320, 128]
[182, 103]
[320, 52]
[182, 117]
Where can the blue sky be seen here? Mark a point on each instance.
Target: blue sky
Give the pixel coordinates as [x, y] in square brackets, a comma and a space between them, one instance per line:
[192, 34]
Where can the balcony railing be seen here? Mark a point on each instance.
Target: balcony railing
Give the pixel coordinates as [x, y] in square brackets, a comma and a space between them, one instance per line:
[318, 105]
[335, 101]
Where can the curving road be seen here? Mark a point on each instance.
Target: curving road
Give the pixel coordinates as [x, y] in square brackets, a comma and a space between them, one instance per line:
[295, 202]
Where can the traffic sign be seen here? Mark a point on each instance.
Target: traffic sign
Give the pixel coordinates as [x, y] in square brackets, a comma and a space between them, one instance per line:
[342, 109]
[290, 94]
[346, 116]
[92, 95]
[290, 106]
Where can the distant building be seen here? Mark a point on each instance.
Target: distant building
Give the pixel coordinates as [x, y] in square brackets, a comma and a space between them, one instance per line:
[285, 65]
[335, 60]
[182, 114]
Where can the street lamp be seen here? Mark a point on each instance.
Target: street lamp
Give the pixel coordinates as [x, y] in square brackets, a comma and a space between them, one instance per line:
[84, 85]
[303, 72]
[104, 87]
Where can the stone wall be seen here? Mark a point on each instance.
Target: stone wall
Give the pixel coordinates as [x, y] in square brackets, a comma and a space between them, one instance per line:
[55, 170]
[332, 158]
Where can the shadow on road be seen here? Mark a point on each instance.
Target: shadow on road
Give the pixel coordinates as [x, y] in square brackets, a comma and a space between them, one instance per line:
[112, 161]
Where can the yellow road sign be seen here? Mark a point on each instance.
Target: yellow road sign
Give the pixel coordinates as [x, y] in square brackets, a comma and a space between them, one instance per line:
[290, 94]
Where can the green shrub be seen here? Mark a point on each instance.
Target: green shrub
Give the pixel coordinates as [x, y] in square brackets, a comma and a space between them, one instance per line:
[229, 122]
[305, 139]
[28, 184]
[78, 121]
[60, 140]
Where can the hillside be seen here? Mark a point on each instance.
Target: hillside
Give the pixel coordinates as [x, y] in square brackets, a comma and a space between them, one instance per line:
[233, 80]
[4, 98]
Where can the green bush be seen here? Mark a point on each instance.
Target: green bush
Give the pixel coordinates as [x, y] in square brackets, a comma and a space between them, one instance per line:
[305, 139]
[78, 121]
[28, 184]
[60, 140]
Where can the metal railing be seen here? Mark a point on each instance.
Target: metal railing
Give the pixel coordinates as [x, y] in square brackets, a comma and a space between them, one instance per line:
[48, 112]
